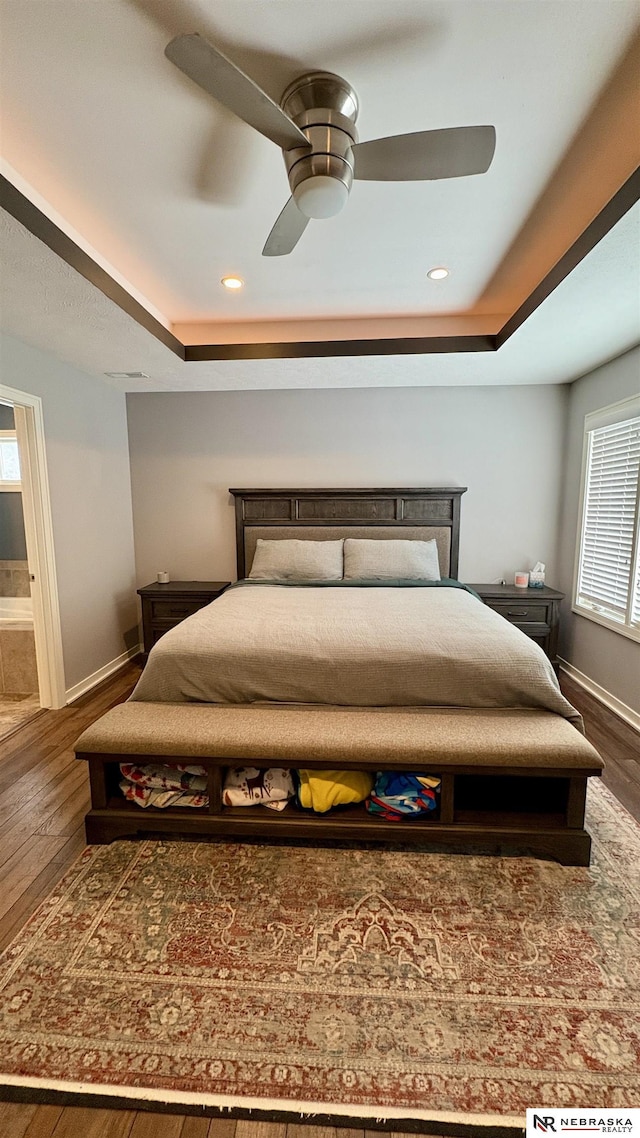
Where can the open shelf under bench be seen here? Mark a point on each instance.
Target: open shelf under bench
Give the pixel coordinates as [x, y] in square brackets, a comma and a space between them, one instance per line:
[541, 810]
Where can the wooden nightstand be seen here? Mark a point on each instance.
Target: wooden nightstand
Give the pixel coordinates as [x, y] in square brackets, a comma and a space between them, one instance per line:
[536, 612]
[164, 606]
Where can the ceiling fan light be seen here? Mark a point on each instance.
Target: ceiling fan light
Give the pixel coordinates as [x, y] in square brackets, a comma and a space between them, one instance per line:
[320, 196]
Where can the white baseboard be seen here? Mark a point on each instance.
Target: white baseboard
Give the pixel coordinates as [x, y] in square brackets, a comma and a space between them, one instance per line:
[102, 674]
[616, 705]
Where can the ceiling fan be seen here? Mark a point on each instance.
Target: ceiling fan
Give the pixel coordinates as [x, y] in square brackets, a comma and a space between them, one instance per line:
[315, 127]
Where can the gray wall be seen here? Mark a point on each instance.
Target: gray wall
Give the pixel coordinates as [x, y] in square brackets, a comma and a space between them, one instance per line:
[504, 443]
[12, 541]
[611, 660]
[88, 467]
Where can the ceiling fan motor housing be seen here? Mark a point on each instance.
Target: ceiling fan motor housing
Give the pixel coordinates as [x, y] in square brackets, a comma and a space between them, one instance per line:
[325, 108]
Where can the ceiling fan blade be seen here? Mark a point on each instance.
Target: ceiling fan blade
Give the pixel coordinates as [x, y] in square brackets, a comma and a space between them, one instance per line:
[217, 75]
[428, 154]
[286, 232]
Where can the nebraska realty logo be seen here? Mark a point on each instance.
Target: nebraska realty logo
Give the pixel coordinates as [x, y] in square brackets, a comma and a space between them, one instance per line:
[549, 1120]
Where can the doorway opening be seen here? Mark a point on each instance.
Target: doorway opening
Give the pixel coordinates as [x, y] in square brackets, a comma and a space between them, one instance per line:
[31, 668]
[19, 693]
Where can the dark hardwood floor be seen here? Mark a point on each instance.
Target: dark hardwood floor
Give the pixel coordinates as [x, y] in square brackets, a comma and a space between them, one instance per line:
[44, 795]
[616, 740]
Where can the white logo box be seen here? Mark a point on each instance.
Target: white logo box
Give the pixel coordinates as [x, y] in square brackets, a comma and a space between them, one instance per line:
[582, 1122]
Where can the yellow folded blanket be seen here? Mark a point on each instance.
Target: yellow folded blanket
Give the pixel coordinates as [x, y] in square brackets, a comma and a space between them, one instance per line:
[320, 790]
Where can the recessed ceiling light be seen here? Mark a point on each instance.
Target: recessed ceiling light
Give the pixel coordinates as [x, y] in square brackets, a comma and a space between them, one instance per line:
[438, 274]
[232, 282]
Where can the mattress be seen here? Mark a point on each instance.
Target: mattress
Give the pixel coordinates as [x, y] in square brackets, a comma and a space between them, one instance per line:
[364, 645]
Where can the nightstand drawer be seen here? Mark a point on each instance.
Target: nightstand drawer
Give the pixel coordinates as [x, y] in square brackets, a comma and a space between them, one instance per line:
[165, 604]
[535, 631]
[536, 612]
[527, 612]
[176, 610]
[156, 631]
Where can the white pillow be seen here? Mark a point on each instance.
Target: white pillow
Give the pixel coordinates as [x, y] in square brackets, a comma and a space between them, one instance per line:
[293, 560]
[390, 559]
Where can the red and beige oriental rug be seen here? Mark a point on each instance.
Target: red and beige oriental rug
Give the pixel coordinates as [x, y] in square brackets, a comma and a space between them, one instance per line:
[392, 986]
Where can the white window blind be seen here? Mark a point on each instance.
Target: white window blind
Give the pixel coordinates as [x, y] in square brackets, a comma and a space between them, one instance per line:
[609, 564]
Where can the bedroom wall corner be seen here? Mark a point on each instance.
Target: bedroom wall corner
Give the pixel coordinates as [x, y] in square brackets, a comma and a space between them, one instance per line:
[90, 488]
[610, 662]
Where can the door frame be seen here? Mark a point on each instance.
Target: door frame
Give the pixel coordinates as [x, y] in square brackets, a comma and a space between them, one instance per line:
[38, 525]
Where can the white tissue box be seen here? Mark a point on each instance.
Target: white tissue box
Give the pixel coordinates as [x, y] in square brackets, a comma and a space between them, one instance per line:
[536, 580]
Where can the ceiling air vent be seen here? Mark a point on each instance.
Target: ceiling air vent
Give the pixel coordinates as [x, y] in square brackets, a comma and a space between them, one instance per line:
[127, 374]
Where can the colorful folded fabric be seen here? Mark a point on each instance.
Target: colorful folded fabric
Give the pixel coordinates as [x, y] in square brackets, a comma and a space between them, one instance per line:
[161, 776]
[248, 786]
[162, 785]
[321, 790]
[398, 795]
[153, 796]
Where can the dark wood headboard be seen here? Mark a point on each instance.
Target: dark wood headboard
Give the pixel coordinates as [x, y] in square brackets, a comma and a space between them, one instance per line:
[437, 506]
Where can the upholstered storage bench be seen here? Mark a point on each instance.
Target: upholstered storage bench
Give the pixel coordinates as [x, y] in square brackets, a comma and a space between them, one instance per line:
[509, 777]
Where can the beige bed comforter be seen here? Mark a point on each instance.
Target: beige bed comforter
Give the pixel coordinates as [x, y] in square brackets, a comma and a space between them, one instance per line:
[356, 647]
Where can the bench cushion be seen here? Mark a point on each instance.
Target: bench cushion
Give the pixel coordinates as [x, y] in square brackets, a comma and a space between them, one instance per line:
[378, 738]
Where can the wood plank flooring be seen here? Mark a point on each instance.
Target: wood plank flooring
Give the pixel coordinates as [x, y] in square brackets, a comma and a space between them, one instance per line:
[616, 741]
[44, 795]
[19, 1121]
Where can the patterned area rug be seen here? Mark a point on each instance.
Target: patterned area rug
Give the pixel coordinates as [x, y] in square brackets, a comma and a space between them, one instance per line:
[338, 982]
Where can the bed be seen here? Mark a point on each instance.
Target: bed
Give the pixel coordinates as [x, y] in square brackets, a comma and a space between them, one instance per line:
[425, 674]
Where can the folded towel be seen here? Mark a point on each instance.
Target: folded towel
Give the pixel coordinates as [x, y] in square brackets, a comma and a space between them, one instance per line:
[248, 786]
[397, 795]
[153, 796]
[320, 790]
[161, 776]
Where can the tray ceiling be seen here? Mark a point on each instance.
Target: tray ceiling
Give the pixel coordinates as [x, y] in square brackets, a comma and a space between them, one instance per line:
[169, 192]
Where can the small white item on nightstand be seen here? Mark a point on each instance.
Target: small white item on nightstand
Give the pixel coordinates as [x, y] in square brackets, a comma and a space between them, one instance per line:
[163, 577]
[536, 576]
[521, 579]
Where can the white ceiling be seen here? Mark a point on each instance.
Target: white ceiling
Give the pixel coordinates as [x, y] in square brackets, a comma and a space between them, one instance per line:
[171, 192]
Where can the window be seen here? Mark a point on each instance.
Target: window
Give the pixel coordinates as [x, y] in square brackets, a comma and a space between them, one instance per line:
[607, 587]
[9, 461]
